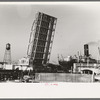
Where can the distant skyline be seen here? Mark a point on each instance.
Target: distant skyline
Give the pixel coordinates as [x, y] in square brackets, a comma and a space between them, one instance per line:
[78, 23]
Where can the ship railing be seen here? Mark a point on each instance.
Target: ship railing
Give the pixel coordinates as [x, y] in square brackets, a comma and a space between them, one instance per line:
[87, 65]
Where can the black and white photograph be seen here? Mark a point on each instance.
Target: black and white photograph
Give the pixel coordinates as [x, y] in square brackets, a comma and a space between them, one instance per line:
[47, 43]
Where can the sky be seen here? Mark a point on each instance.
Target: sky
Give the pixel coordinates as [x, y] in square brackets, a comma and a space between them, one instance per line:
[78, 23]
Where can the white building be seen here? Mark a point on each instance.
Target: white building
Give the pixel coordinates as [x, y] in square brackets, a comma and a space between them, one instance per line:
[23, 64]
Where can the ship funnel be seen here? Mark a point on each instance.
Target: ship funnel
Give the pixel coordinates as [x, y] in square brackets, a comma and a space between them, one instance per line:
[86, 50]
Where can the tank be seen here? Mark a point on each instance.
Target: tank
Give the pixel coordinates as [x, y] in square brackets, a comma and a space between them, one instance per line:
[7, 46]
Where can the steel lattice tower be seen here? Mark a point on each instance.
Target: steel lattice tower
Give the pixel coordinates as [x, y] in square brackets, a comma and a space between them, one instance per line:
[7, 55]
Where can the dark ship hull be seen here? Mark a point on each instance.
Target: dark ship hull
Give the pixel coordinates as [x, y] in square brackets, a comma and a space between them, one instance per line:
[67, 66]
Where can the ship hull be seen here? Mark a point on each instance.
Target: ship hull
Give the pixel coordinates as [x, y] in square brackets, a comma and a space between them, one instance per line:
[67, 66]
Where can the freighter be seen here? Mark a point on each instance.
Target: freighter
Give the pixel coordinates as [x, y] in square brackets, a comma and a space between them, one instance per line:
[68, 62]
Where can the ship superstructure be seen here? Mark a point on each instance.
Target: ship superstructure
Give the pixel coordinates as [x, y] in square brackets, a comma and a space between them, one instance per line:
[81, 63]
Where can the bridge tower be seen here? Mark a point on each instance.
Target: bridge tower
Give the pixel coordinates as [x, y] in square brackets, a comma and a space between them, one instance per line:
[7, 55]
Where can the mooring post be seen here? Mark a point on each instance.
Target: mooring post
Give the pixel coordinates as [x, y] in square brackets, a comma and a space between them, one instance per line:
[93, 76]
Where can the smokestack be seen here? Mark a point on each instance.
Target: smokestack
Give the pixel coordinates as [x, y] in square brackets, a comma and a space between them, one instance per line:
[86, 50]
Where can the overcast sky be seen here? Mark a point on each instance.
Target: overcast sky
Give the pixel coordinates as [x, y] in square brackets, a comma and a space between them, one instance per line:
[77, 24]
